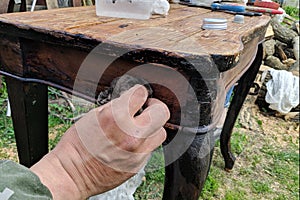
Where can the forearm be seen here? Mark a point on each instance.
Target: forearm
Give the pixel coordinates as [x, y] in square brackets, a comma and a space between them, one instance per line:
[75, 173]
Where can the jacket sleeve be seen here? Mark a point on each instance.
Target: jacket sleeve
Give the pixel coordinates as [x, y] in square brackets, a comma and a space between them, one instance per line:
[18, 182]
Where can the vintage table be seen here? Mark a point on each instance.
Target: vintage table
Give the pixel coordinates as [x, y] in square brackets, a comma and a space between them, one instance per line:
[50, 48]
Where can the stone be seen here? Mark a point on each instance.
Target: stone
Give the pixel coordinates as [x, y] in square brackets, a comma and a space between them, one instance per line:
[289, 62]
[283, 33]
[295, 27]
[289, 52]
[269, 33]
[295, 69]
[269, 46]
[275, 63]
[296, 47]
[281, 44]
[287, 49]
[279, 52]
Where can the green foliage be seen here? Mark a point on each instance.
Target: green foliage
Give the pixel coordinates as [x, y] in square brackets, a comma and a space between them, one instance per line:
[211, 185]
[292, 11]
[234, 195]
[284, 167]
[259, 122]
[6, 128]
[238, 142]
[260, 187]
[152, 186]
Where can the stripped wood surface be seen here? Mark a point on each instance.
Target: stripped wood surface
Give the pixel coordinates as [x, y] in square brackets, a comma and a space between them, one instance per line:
[180, 31]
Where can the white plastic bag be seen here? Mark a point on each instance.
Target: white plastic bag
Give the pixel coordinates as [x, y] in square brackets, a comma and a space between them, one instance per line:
[282, 90]
[280, 17]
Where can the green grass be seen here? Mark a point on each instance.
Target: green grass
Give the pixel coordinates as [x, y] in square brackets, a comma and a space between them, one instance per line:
[6, 128]
[269, 172]
[234, 195]
[292, 11]
[212, 184]
[260, 187]
[152, 186]
[238, 142]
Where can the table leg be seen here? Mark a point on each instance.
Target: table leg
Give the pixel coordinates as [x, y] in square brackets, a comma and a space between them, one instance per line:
[29, 106]
[12, 5]
[240, 93]
[185, 178]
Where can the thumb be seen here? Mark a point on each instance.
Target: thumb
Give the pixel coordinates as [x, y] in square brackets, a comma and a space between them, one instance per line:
[134, 98]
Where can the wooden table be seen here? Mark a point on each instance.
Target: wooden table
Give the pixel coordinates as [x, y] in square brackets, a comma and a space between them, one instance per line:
[49, 48]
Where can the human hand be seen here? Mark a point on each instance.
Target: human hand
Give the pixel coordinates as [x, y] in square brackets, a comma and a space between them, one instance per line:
[104, 148]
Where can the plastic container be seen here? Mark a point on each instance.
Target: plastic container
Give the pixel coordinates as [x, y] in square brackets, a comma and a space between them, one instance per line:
[135, 9]
[238, 19]
[214, 23]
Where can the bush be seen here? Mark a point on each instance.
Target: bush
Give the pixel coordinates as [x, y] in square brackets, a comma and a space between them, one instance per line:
[292, 11]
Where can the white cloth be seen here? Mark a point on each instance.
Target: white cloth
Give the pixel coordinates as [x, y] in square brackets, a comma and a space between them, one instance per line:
[161, 7]
[282, 90]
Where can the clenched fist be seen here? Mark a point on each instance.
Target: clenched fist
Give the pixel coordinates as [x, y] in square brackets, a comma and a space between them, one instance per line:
[106, 147]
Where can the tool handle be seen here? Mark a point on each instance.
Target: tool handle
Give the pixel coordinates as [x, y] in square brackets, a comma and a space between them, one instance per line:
[229, 7]
[264, 10]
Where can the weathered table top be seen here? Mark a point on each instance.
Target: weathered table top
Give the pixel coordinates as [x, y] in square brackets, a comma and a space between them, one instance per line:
[176, 40]
[173, 33]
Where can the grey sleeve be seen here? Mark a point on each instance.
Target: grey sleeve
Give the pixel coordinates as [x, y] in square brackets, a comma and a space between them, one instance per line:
[19, 183]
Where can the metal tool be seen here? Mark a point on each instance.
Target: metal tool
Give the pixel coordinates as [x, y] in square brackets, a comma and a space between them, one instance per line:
[250, 14]
[264, 10]
[228, 7]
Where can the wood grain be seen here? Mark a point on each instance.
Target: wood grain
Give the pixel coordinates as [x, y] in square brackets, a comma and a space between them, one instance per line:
[178, 32]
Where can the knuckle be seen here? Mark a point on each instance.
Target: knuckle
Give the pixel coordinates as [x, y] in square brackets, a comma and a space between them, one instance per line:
[131, 144]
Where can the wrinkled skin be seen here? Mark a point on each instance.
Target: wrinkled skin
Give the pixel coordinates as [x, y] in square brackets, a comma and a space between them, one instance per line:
[104, 148]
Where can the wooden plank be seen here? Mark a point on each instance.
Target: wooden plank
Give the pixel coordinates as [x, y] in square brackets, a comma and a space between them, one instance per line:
[10, 55]
[4, 6]
[51, 4]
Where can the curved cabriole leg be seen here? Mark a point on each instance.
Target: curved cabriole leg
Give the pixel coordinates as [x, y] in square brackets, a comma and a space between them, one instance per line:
[184, 178]
[241, 91]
